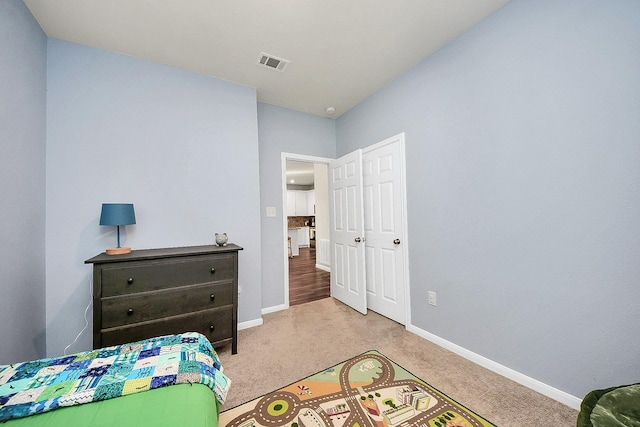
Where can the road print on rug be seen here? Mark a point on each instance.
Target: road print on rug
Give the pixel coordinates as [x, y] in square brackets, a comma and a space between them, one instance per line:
[367, 390]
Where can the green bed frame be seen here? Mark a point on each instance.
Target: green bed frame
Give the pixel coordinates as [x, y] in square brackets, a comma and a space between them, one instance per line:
[192, 405]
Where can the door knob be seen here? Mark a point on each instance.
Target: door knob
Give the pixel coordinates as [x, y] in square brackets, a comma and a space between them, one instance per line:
[358, 240]
[396, 241]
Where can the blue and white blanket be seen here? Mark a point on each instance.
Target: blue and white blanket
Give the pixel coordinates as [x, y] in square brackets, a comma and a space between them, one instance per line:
[42, 385]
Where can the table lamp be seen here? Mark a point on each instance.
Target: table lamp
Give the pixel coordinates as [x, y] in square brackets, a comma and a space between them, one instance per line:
[117, 214]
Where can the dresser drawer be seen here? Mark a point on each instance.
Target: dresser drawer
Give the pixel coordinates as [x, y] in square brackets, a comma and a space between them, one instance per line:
[132, 277]
[216, 324]
[135, 308]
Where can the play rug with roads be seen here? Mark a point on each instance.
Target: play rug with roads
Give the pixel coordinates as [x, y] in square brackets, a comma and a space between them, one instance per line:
[368, 390]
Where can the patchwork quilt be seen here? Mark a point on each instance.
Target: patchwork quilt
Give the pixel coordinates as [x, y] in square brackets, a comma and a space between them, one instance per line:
[32, 387]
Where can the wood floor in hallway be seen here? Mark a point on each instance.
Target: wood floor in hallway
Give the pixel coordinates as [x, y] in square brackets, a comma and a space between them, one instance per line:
[306, 282]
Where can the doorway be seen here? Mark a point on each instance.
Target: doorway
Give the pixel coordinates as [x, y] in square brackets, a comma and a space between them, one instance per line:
[306, 230]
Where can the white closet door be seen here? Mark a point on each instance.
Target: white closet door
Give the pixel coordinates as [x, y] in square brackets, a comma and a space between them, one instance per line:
[347, 233]
[385, 248]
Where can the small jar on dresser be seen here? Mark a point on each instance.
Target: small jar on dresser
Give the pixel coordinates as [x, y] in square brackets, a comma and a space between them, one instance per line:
[153, 292]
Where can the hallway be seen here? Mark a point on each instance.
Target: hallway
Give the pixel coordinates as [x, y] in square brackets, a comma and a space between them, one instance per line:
[306, 282]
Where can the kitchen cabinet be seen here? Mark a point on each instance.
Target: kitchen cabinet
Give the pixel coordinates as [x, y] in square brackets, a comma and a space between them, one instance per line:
[299, 239]
[294, 234]
[303, 237]
[300, 203]
[311, 202]
[291, 203]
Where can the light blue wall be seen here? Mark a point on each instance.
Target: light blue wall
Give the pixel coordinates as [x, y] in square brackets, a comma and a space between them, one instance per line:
[523, 171]
[282, 130]
[522, 165]
[181, 146]
[23, 78]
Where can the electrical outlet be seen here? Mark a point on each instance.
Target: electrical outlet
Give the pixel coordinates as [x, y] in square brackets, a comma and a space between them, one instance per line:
[239, 289]
[432, 298]
[271, 211]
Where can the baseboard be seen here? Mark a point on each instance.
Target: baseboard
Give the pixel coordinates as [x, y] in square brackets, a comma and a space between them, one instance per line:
[540, 387]
[274, 308]
[323, 267]
[250, 323]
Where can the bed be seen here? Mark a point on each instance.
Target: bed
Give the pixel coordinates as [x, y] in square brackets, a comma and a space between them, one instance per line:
[174, 380]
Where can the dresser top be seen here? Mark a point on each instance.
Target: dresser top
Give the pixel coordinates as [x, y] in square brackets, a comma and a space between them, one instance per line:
[163, 253]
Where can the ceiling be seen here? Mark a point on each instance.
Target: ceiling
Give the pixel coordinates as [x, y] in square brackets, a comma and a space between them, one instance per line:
[340, 51]
[300, 173]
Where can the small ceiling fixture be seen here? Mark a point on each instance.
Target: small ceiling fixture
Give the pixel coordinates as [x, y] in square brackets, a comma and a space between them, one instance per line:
[330, 110]
[273, 62]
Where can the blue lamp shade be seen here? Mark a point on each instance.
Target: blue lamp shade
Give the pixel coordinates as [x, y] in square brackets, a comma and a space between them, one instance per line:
[117, 214]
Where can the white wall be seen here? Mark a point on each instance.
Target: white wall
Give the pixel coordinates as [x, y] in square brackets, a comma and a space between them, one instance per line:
[323, 252]
[181, 146]
[283, 130]
[321, 184]
[523, 172]
[23, 88]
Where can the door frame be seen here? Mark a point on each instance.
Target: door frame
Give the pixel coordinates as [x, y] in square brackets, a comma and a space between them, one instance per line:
[285, 225]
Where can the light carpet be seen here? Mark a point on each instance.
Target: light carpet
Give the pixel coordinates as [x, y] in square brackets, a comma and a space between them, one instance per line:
[306, 338]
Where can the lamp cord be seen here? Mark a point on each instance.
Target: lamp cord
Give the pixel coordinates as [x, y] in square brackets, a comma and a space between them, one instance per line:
[86, 322]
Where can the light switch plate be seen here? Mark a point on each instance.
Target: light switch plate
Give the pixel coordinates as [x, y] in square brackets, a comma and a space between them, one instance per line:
[271, 211]
[432, 298]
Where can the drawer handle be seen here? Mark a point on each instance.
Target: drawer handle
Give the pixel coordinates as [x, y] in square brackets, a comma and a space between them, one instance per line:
[213, 297]
[130, 311]
[213, 270]
[130, 280]
[211, 328]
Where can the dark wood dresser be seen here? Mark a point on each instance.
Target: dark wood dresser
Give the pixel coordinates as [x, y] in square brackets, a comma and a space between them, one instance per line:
[154, 292]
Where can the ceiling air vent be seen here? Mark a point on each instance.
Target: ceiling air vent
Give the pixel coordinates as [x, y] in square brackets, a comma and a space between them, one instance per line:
[273, 62]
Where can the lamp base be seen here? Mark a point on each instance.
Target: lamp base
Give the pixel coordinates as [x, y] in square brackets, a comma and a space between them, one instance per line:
[119, 251]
